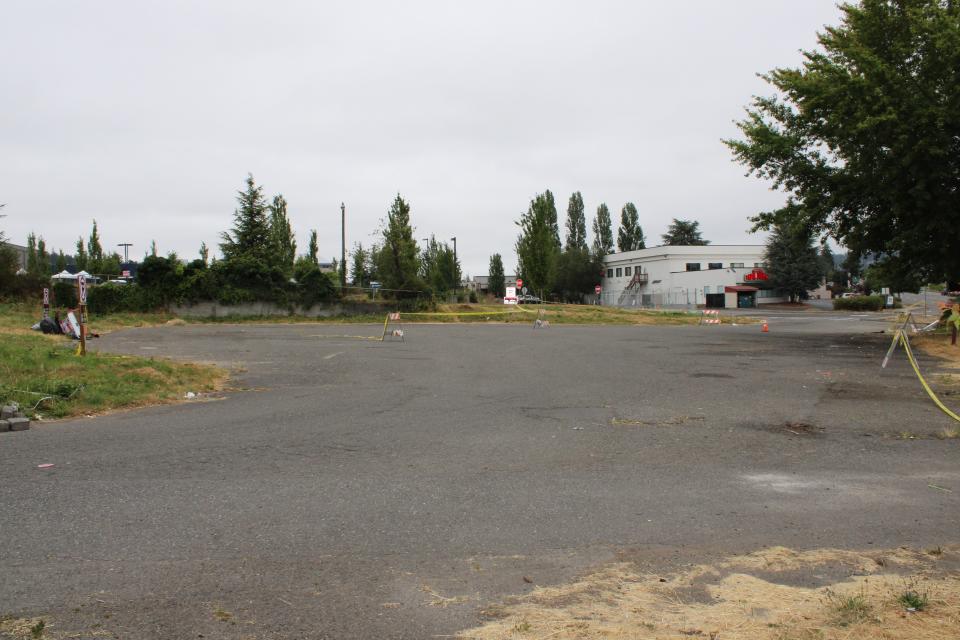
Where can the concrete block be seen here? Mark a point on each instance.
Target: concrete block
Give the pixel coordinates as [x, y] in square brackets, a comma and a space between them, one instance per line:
[4, 426]
[19, 424]
[9, 411]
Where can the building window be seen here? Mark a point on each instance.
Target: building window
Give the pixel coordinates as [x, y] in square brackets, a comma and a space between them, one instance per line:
[626, 271]
[715, 265]
[706, 289]
[609, 273]
[619, 272]
[693, 266]
[758, 265]
[736, 265]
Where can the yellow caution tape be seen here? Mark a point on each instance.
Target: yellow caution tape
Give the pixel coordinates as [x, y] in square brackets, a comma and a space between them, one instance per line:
[913, 362]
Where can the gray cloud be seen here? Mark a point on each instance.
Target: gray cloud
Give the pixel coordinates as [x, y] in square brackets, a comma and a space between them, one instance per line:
[148, 115]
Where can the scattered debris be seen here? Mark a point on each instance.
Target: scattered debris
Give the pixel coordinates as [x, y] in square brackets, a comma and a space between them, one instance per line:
[45, 465]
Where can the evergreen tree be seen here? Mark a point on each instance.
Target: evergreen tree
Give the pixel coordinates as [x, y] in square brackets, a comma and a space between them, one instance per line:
[282, 241]
[153, 248]
[826, 261]
[204, 253]
[792, 261]
[95, 251]
[684, 233]
[111, 265]
[538, 245]
[361, 274]
[81, 256]
[577, 274]
[576, 223]
[496, 284]
[61, 262]
[398, 262]
[438, 267]
[602, 232]
[313, 249]
[630, 236]
[250, 235]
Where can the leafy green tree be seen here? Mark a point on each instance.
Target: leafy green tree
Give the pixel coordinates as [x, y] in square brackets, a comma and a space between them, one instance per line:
[496, 284]
[398, 262]
[111, 265]
[283, 244]
[204, 253]
[80, 258]
[95, 251]
[578, 271]
[864, 135]
[684, 233]
[439, 268]
[602, 232]
[313, 248]
[826, 261]
[361, 274]
[630, 235]
[153, 248]
[576, 223]
[792, 261]
[61, 261]
[250, 235]
[538, 245]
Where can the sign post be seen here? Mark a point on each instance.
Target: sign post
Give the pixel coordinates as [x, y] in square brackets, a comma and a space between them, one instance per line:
[519, 282]
[82, 297]
[510, 297]
[46, 303]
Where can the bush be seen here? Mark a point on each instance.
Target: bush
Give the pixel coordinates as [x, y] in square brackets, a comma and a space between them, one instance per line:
[473, 297]
[64, 294]
[860, 303]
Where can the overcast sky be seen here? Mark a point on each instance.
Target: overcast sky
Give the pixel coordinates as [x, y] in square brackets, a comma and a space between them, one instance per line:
[148, 115]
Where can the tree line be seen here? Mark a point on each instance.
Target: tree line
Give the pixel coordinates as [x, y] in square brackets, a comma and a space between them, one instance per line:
[568, 271]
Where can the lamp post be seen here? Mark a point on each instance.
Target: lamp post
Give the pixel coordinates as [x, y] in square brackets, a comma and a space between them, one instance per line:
[343, 246]
[126, 251]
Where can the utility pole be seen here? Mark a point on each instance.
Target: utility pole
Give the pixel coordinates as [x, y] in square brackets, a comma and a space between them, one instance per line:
[454, 238]
[126, 251]
[343, 246]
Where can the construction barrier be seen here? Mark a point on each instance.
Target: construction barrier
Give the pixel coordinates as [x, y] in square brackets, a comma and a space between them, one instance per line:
[710, 316]
[541, 322]
[900, 338]
[392, 327]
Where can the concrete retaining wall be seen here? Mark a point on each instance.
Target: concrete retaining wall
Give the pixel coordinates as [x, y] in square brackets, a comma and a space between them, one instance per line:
[269, 309]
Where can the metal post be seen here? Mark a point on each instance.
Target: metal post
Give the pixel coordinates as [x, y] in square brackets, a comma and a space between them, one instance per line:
[454, 238]
[126, 251]
[343, 246]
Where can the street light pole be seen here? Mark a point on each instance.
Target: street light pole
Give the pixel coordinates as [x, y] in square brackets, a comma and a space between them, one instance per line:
[126, 249]
[454, 238]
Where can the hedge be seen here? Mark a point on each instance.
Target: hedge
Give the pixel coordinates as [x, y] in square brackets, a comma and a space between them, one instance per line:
[860, 303]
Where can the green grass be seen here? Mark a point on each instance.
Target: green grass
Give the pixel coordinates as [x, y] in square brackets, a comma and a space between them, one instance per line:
[34, 366]
[914, 600]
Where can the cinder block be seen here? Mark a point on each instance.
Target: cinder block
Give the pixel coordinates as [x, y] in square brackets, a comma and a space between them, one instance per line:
[19, 424]
[4, 426]
[7, 412]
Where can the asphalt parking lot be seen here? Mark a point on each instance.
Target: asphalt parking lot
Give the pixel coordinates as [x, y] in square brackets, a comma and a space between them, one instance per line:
[357, 489]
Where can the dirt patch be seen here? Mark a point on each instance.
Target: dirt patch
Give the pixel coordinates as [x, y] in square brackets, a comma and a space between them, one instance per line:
[938, 346]
[774, 594]
[798, 429]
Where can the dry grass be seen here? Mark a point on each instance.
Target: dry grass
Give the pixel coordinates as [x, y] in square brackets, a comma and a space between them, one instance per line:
[745, 598]
[938, 345]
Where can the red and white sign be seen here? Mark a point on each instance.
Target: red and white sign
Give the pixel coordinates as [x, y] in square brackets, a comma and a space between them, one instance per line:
[510, 297]
[82, 287]
[125, 273]
[597, 289]
[394, 316]
[46, 297]
[519, 283]
[756, 274]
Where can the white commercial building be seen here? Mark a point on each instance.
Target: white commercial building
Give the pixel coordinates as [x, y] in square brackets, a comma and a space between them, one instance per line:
[720, 276]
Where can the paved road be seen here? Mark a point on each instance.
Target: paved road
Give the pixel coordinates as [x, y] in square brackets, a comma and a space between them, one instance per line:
[355, 483]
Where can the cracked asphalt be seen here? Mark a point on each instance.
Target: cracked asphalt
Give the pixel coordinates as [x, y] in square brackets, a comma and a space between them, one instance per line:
[357, 489]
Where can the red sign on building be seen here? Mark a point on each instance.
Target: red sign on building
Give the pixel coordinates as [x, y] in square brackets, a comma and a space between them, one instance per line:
[756, 274]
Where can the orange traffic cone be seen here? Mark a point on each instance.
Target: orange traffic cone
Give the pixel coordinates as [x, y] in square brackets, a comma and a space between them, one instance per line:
[765, 328]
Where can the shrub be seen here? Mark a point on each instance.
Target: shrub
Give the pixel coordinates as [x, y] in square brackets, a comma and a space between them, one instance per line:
[64, 294]
[473, 297]
[859, 303]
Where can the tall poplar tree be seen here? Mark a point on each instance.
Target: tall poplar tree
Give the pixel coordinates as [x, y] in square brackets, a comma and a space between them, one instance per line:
[602, 232]
[95, 251]
[283, 245]
[313, 248]
[576, 223]
[630, 236]
[496, 284]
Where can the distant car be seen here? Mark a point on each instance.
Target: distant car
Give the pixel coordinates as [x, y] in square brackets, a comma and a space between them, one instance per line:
[528, 299]
[849, 294]
[950, 294]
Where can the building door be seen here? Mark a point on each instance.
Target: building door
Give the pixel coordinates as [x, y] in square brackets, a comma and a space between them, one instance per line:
[746, 300]
[715, 300]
